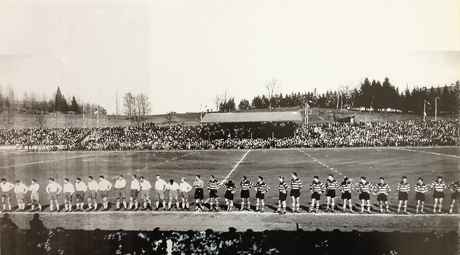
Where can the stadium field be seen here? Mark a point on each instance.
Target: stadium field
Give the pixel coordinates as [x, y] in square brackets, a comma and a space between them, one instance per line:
[388, 162]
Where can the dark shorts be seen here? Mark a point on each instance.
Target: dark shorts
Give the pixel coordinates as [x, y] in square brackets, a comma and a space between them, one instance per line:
[80, 196]
[104, 194]
[199, 193]
[330, 193]
[5, 196]
[120, 193]
[68, 197]
[228, 195]
[92, 195]
[260, 195]
[438, 194]
[316, 196]
[454, 195]
[213, 193]
[282, 196]
[144, 194]
[420, 196]
[403, 196]
[244, 194]
[52, 196]
[134, 193]
[295, 193]
[364, 196]
[346, 195]
[382, 197]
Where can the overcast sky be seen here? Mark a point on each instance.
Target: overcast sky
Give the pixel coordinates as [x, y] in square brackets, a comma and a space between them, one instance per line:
[184, 53]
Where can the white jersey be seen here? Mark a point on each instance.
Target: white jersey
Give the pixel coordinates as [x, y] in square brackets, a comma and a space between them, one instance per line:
[185, 187]
[93, 185]
[120, 183]
[34, 187]
[135, 185]
[53, 187]
[160, 185]
[172, 187]
[104, 185]
[20, 188]
[81, 186]
[68, 188]
[6, 187]
[145, 185]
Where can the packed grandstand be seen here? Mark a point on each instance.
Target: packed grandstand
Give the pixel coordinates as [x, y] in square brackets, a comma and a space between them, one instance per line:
[150, 136]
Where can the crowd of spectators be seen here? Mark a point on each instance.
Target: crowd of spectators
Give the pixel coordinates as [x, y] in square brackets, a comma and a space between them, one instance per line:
[39, 240]
[149, 136]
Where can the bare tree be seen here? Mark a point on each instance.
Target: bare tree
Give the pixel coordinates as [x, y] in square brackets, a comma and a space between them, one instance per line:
[129, 103]
[142, 104]
[271, 86]
[217, 101]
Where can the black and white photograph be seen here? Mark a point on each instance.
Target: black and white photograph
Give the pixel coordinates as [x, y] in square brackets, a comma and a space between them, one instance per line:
[177, 127]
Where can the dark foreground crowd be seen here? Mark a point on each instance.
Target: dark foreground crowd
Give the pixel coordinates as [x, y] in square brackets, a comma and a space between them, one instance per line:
[138, 193]
[149, 136]
[39, 240]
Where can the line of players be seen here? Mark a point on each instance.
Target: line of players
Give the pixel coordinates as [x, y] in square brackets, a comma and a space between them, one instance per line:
[135, 195]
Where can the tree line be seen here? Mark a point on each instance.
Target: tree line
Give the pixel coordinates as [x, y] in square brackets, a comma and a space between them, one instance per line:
[29, 103]
[369, 96]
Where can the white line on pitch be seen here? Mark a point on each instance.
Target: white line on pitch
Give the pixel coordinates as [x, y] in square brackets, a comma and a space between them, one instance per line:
[322, 214]
[46, 161]
[235, 166]
[430, 152]
[321, 163]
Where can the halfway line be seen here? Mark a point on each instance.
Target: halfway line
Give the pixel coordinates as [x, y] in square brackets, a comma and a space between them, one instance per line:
[235, 166]
[321, 163]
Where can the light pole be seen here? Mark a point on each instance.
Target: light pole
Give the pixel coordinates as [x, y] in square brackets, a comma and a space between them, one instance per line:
[424, 110]
[306, 113]
[436, 108]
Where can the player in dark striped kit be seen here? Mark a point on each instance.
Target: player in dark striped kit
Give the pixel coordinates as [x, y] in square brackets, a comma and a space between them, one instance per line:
[346, 189]
[331, 188]
[316, 188]
[455, 187]
[261, 188]
[245, 187]
[296, 185]
[403, 194]
[438, 187]
[364, 188]
[383, 189]
[282, 188]
[229, 194]
[420, 189]
[213, 186]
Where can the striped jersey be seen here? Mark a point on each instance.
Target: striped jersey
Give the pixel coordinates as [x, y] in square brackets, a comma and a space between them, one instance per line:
[261, 187]
[332, 185]
[438, 186]
[404, 187]
[421, 188]
[282, 187]
[213, 184]
[245, 184]
[346, 187]
[455, 187]
[364, 187]
[383, 188]
[296, 183]
[317, 187]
